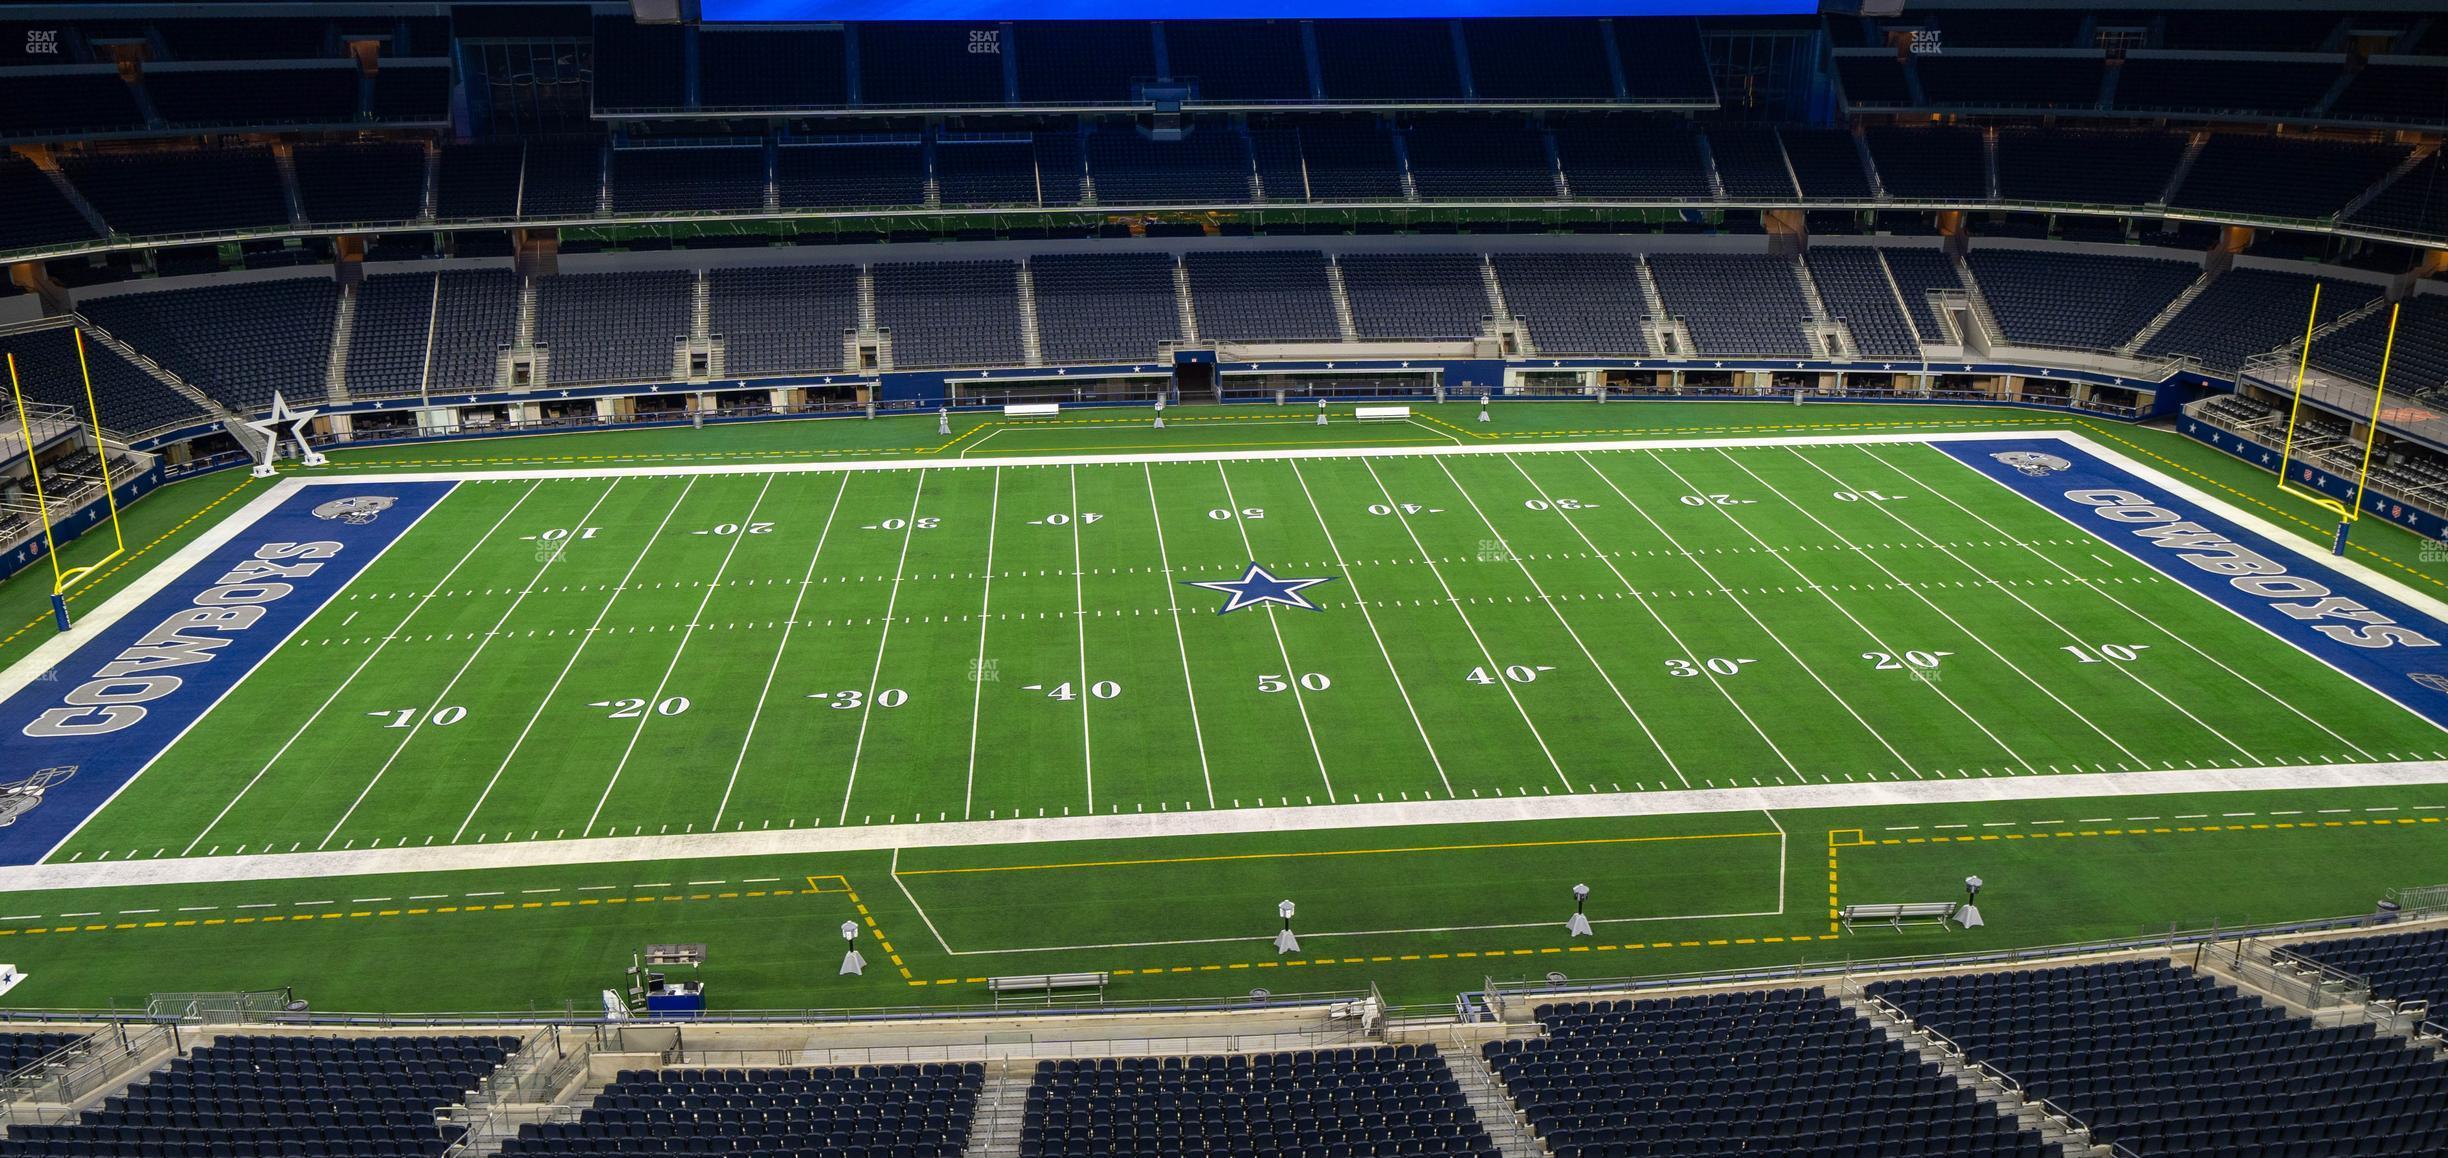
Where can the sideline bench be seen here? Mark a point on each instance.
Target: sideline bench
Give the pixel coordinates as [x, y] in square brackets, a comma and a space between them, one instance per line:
[1381, 413]
[1894, 916]
[1046, 984]
[1031, 409]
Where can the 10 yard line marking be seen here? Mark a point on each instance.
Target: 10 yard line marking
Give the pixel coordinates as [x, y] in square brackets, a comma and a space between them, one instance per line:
[1932, 604]
[1291, 672]
[1164, 560]
[977, 670]
[2104, 593]
[394, 633]
[1371, 620]
[741, 760]
[696, 617]
[1753, 616]
[1949, 552]
[1079, 619]
[1651, 608]
[867, 705]
[1430, 558]
[566, 668]
[1506, 546]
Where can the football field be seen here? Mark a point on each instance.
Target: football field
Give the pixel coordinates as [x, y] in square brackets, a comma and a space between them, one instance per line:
[1155, 641]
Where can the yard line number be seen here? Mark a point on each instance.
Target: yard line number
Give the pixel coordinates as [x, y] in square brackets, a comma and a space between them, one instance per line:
[2105, 652]
[406, 717]
[1315, 681]
[1520, 673]
[1102, 689]
[737, 528]
[1715, 501]
[1681, 668]
[1898, 661]
[633, 707]
[925, 523]
[1559, 504]
[850, 698]
[1058, 519]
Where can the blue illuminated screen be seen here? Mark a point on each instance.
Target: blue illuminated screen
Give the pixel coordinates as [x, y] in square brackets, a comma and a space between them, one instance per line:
[825, 11]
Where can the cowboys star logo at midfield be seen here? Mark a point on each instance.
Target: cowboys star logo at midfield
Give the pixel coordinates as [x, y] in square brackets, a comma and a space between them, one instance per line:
[1256, 586]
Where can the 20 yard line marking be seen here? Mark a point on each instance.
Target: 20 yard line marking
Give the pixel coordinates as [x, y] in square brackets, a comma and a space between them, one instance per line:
[695, 618]
[1361, 602]
[1745, 608]
[867, 706]
[1292, 672]
[2128, 672]
[2149, 621]
[566, 668]
[1164, 560]
[758, 713]
[1429, 558]
[1506, 545]
[977, 670]
[371, 656]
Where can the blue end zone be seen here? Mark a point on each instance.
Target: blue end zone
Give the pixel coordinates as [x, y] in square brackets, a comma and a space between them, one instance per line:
[125, 695]
[2387, 644]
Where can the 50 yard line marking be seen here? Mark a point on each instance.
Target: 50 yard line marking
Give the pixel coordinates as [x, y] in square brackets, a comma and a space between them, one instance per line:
[1429, 557]
[891, 601]
[1887, 509]
[2147, 620]
[334, 697]
[1164, 560]
[1371, 620]
[1242, 525]
[774, 669]
[1745, 608]
[566, 668]
[1507, 546]
[977, 670]
[704, 601]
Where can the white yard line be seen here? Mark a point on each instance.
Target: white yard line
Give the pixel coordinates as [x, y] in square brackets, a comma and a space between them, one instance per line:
[1292, 672]
[1507, 546]
[1360, 601]
[1079, 619]
[1453, 601]
[575, 653]
[2145, 620]
[977, 669]
[891, 601]
[797, 601]
[810, 841]
[1841, 609]
[1888, 509]
[1642, 599]
[1694, 559]
[696, 620]
[1164, 560]
[362, 665]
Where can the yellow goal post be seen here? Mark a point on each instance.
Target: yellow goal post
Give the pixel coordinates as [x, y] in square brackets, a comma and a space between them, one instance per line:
[64, 578]
[2346, 511]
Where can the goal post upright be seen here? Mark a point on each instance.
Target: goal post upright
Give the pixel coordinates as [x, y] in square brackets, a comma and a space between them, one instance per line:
[64, 578]
[2347, 512]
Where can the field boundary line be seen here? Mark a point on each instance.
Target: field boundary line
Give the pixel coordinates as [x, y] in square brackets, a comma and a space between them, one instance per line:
[758, 713]
[362, 665]
[1219, 822]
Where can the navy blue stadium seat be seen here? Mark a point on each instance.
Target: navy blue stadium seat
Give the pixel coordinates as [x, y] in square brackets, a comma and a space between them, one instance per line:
[905, 1111]
[1381, 1100]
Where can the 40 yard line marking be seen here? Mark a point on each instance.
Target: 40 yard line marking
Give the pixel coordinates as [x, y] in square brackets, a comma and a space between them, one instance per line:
[336, 693]
[1079, 619]
[2148, 621]
[774, 669]
[1382, 653]
[566, 668]
[891, 601]
[1749, 614]
[1887, 509]
[1506, 546]
[696, 617]
[1298, 700]
[1429, 557]
[1164, 560]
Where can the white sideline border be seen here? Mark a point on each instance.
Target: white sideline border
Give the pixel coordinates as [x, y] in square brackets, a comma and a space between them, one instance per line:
[817, 841]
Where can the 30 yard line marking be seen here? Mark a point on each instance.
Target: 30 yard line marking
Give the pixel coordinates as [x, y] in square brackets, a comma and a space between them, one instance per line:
[1643, 600]
[892, 600]
[1429, 558]
[1749, 614]
[696, 617]
[1888, 510]
[977, 669]
[1932, 604]
[1506, 546]
[1164, 560]
[1079, 619]
[566, 668]
[371, 656]
[1300, 701]
[758, 713]
[1841, 609]
[1359, 600]
[2152, 622]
